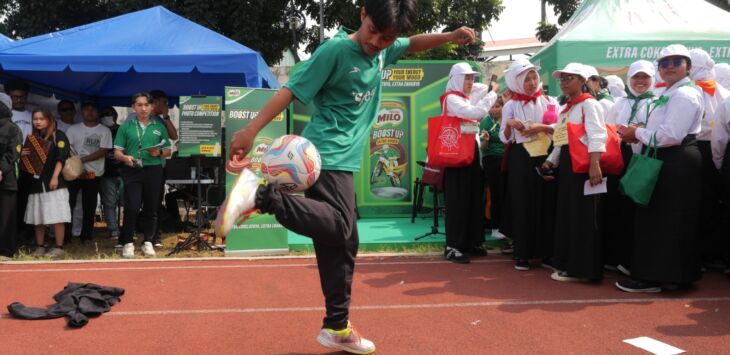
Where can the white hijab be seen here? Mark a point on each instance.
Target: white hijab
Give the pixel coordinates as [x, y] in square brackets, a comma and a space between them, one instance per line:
[624, 105]
[516, 74]
[616, 86]
[641, 66]
[722, 74]
[456, 83]
[702, 65]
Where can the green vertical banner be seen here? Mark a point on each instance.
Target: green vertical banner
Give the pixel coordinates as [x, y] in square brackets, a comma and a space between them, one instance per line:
[200, 126]
[261, 233]
[389, 154]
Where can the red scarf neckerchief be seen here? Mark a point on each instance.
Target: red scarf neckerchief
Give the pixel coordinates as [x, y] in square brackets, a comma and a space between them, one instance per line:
[708, 86]
[443, 98]
[526, 98]
[660, 85]
[582, 97]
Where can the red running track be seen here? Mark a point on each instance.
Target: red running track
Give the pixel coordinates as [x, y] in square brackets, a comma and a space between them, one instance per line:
[407, 305]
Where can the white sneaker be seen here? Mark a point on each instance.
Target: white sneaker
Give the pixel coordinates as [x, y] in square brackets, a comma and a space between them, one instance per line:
[38, 252]
[240, 203]
[55, 253]
[347, 340]
[497, 235]
[128, 250]
[148, 249]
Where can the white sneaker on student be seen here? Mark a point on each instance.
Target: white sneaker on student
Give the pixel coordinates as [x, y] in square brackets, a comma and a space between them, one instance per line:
[240, 203]
[496, 234]
[128, 250]
[148, 249]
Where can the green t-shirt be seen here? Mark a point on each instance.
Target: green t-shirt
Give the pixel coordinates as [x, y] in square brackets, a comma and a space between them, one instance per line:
[344, 85]
[154, 135]
[495, 145]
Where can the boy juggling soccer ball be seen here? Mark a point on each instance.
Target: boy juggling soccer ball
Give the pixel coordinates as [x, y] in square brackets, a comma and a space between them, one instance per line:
[342, 78]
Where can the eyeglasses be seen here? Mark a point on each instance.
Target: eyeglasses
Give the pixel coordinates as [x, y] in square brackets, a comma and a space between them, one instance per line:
[566, 78]
[17, 97]
[676, 62]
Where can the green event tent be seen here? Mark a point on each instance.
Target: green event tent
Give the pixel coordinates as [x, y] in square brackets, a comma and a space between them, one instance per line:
[612, 34]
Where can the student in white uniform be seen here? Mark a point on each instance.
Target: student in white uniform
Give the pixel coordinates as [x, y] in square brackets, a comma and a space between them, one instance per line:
[719, 142]
[530, 200]
[665, 248]
[627, 111]
[722, 74]
[598, 87]
[463, 186]
[578, 253]
[703, 73]
[616, 86]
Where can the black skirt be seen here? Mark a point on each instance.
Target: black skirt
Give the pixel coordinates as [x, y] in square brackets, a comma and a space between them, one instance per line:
[464, 219]
[618, 219]
[578, 236]
[665, 243]
[531, 206]
[711, 209]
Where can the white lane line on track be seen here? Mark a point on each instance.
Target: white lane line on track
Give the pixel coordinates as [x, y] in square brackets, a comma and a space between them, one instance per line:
[264, 266]
[654, 346]
[415, 306]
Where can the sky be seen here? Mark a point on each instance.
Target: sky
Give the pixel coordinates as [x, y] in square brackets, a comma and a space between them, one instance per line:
[518, 20]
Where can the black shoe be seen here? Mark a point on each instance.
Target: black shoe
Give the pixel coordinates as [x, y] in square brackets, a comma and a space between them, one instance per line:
[455, 256]
[631, 285]
[522, 265]
[508, 248]
[478, 251]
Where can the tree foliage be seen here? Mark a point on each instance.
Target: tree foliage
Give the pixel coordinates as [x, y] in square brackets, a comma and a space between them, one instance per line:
[262, 25]
[545, 31]
[564, 9]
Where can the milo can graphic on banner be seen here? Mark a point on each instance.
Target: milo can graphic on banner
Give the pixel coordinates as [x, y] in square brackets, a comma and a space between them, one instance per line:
[390, 152]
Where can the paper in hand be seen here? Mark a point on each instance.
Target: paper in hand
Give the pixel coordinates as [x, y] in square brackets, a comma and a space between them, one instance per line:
[594, 190]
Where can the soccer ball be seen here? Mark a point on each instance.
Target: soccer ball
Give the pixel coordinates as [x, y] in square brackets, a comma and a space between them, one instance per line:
[292, 163]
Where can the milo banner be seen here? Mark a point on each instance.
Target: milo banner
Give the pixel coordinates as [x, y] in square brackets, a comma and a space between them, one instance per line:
[261, 233]
[200, 126]
[397, 140]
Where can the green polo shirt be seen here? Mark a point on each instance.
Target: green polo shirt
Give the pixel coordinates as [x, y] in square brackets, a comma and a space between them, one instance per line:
[495, 145]
[344, 85]
[130, 134]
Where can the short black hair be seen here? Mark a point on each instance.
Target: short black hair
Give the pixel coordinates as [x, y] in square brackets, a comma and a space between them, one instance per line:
[17, 84]
[158, 94]
[110, 110]
[395, 14]
[65, 102]
[499, 101]
[141, 94]
[91, 103]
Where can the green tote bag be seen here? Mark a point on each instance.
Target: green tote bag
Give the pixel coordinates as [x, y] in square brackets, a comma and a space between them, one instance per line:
[641, 175]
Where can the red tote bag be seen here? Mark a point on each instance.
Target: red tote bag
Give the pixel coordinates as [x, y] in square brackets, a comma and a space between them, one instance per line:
[451, 140]
[612, 162]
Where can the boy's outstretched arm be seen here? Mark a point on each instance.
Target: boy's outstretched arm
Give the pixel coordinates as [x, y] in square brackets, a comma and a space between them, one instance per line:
[242, 141]
[460, 36]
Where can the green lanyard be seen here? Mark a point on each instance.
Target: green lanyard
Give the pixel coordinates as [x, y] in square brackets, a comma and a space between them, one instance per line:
[653, 105]
[140, 134]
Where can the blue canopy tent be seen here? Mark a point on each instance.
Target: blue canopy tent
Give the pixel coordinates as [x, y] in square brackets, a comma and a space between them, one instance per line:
[150, 49]
[5, 41]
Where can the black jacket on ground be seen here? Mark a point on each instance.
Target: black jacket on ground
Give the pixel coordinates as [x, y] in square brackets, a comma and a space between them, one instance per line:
[77, 301]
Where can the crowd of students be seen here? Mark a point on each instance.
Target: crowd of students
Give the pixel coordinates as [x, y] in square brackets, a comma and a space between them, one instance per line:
[39, 202]
[536, 181]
